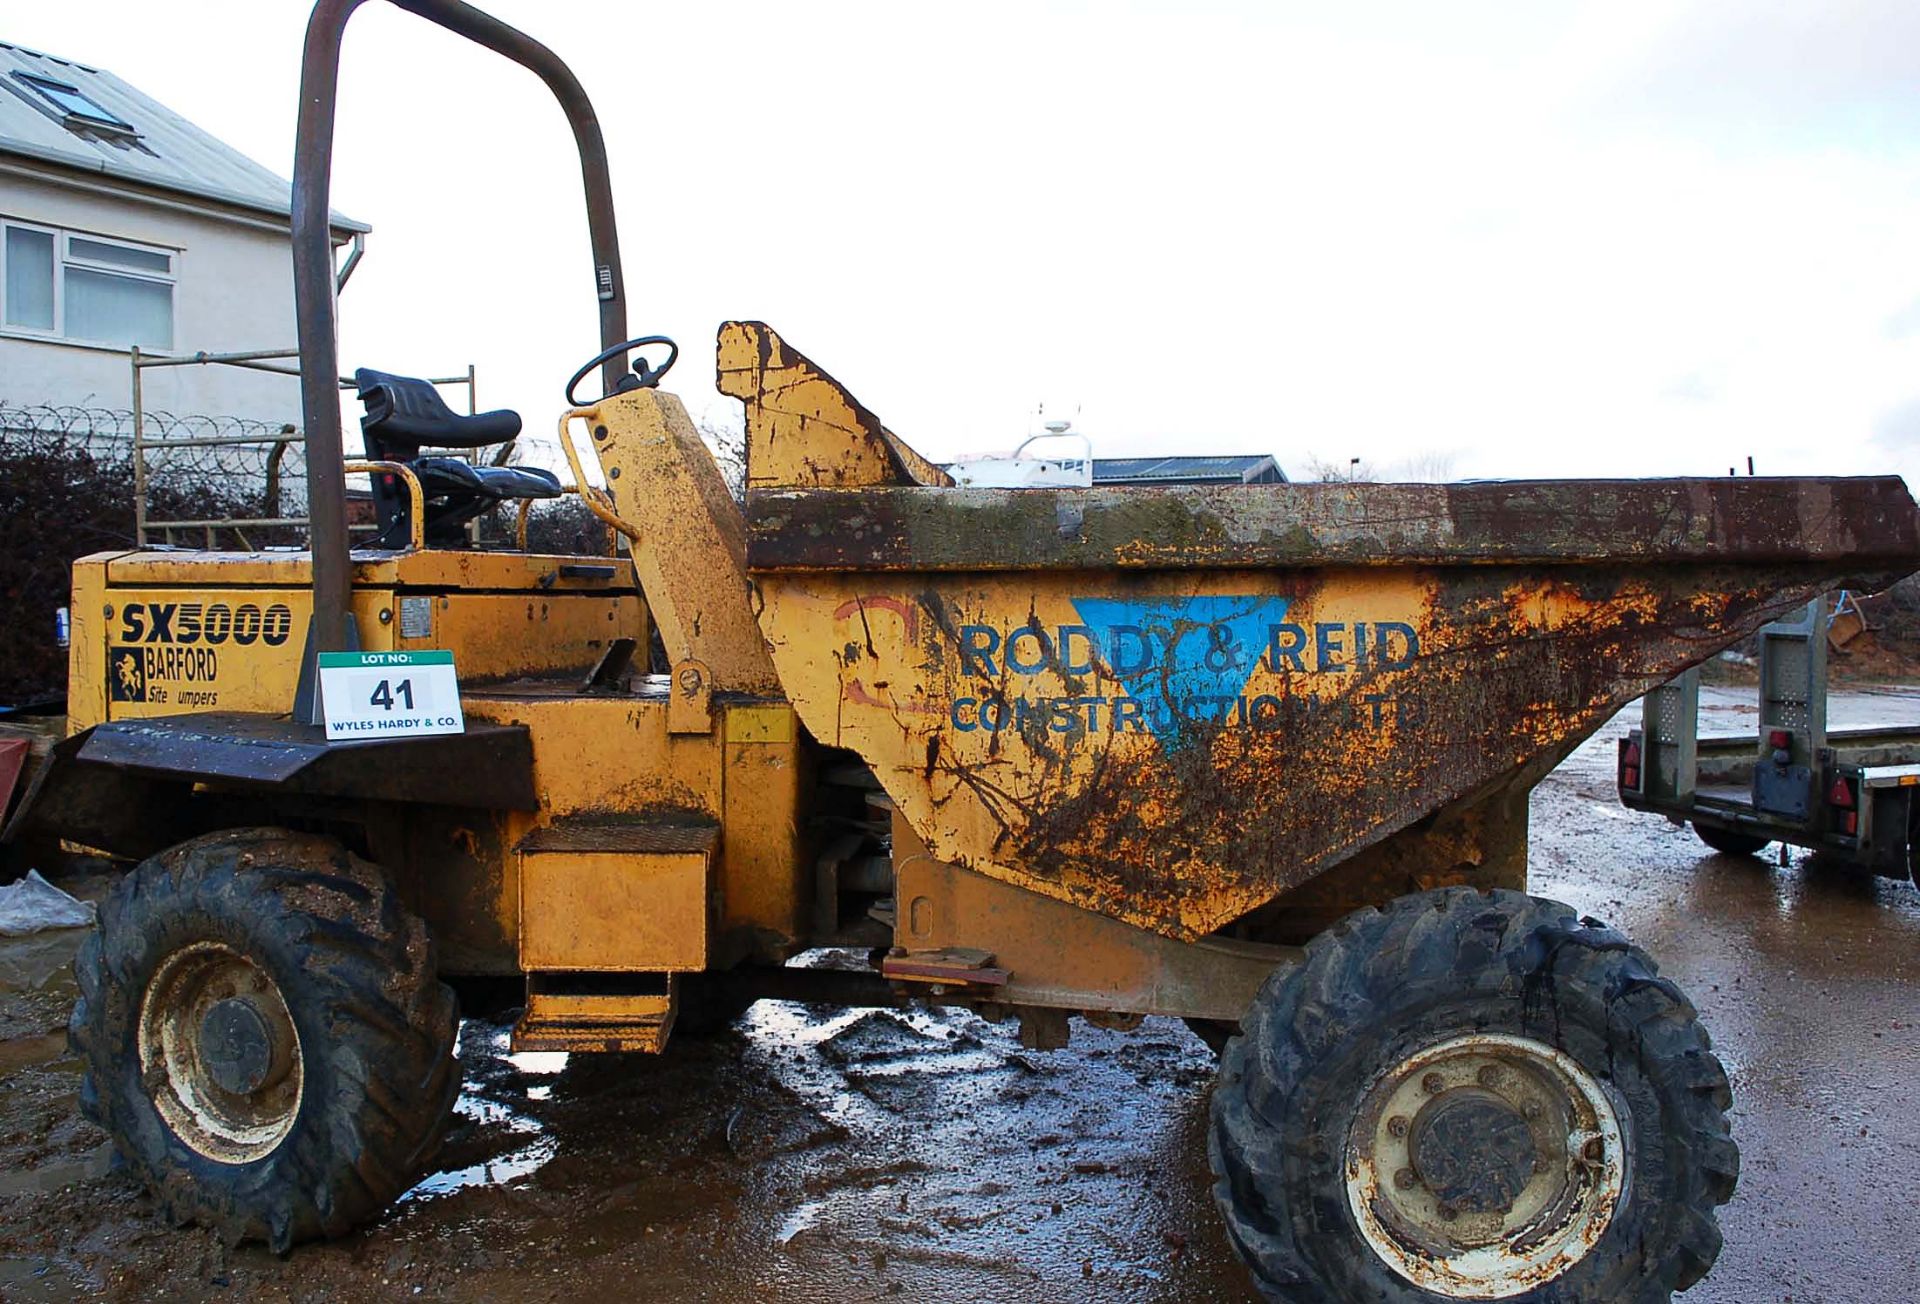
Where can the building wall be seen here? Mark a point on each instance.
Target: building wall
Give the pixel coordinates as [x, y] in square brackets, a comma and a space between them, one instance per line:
[234, 292]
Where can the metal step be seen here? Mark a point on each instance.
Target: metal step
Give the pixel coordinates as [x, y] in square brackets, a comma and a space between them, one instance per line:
[597, 1012]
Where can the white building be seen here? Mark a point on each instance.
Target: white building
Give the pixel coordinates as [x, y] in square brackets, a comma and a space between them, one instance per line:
[123, 224]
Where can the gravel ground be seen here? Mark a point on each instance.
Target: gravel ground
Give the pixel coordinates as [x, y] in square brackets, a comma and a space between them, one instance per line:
[818, 1154]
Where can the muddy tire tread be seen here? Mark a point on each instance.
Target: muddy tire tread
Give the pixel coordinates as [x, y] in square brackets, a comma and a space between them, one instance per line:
[358, 972]
[1269, 1143]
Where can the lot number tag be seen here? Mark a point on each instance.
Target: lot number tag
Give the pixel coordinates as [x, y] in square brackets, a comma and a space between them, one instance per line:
[381, 694]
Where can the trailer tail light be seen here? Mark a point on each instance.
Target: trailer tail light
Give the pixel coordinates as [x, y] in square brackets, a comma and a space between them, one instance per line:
[1845, 801]
[1630, 765]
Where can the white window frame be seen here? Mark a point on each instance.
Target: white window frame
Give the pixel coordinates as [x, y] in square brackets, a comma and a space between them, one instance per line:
[63, 256]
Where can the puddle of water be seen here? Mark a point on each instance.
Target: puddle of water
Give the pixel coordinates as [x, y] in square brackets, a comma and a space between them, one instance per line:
[503, 1171]
[478, 1103]
[34, 1279]
[789, 1024]
[29, 1052]
[56, 1175]
[905, 1066]
[542, 1063]
[798, 1221]
[491, 1113]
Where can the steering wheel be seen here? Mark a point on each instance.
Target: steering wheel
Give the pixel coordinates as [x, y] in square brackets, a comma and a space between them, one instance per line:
[643, 377]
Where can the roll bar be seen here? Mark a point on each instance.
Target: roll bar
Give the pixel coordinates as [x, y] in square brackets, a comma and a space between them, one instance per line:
[313, 283]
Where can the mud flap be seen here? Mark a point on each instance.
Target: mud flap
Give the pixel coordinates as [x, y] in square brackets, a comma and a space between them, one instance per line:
[123, 787]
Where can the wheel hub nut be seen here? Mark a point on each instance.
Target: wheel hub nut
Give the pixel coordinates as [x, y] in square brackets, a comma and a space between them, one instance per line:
[1473, 1151]
[237, 1048]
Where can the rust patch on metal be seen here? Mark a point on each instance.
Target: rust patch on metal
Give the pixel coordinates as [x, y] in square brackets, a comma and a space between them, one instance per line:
[1172, 706]
[1007, 723]
[803, 427]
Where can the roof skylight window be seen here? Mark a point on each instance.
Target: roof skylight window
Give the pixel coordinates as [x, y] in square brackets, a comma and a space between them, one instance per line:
[75, 103]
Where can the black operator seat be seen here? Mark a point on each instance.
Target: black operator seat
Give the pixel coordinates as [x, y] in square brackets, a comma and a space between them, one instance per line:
[404, 415]
[403, 411]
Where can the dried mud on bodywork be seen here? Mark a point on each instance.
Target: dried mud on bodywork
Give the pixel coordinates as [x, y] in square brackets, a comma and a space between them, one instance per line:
[1172, 705]
[1295, 780]
[1177, 750]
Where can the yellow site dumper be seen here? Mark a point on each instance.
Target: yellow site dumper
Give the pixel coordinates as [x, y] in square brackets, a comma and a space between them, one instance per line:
[1256, 757]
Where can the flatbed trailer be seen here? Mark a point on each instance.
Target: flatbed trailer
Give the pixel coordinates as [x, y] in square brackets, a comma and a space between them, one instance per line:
[1848, 794]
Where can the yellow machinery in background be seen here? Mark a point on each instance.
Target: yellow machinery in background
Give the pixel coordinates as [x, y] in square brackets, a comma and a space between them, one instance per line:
[1254, 757]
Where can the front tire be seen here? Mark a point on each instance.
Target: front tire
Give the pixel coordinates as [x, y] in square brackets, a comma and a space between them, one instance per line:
[1472, 1095]
[264, 1035]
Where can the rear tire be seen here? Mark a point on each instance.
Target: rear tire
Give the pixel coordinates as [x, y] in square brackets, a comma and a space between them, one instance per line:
[1472, 1095]
[1731, 843]
[264, 1035]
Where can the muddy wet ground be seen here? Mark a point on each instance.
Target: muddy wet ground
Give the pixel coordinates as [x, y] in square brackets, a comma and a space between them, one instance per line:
[815, 1154]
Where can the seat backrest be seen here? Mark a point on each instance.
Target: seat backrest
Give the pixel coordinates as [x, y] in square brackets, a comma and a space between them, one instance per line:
[404, 415]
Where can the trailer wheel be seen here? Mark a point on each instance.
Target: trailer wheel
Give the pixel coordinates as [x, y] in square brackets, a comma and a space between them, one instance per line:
[264, 1035]
[1472, 1095]
[1729, 842]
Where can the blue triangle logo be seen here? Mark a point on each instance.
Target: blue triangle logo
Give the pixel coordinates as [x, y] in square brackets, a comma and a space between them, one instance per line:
[1184, 659]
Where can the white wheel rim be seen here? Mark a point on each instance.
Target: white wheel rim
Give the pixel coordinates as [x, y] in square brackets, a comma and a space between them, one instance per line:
[1485, 1165]
[233, 1125]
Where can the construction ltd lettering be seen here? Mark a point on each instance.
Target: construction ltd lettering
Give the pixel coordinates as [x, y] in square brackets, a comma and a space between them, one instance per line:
[1181, 663]
[188, 623]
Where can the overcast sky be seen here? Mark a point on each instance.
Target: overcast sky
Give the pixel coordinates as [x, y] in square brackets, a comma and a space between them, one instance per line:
[1526, 238]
